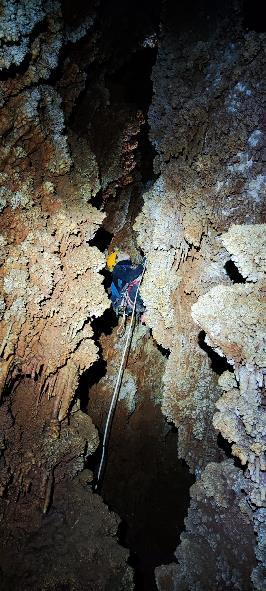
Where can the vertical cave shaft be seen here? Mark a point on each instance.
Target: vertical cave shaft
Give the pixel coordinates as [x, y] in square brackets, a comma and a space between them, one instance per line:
[135, 125]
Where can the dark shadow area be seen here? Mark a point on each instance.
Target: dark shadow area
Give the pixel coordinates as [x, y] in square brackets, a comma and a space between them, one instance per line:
[163, 351]
[132, 20]
[218, 364]
[143, 480]
[227, 448]
[15, 71]
[199, 17]
[101, 239]
[103, 325]
[148, 487]
[254, 15]
[131, 84]
[93, 463]
[145, 162]
[107, 279]
[173, 429]
[90, 377]
[75, 13]
[98, 200]
[233, 272]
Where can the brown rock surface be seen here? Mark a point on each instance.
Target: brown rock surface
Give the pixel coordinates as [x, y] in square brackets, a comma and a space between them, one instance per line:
[206, 125]
[69, 139]
[51, 289]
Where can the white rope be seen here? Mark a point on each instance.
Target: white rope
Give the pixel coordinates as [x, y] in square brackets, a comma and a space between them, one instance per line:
[117, 386]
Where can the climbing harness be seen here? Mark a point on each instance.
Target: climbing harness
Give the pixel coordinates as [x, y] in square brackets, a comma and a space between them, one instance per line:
[118, 383]
[123, 300]
[129, 300]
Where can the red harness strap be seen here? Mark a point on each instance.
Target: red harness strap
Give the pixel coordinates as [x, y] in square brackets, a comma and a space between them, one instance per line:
[128, 289]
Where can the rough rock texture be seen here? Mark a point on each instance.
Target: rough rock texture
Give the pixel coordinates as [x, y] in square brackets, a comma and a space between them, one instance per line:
[74, 548]
[204, 562]
[247, 246]
[206, 125]
[51, 290]
[217, 510]
[68, 141]
[143, 478]
[234, 320]
[50, 274]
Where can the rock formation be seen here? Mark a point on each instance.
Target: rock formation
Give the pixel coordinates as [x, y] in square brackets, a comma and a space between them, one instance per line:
[236, 330]
[51, 291]
[205, 120]
[75, 161]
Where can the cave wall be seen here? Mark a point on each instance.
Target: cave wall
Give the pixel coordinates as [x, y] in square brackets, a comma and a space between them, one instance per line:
[69, 142]
[206, 126]
[233, 318]
[52, 289]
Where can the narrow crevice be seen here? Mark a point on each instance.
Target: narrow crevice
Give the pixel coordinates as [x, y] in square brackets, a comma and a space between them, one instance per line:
[88, 379]
[145, 164]
[101, 239]
[105, 324]
[93, 463]
[233, 272]
[98, 200]
[218, 364]
[18, 70]
[227, 449]
[144, 481]
[131, 84]
[92, 376]
[148, 487]
[165, 352]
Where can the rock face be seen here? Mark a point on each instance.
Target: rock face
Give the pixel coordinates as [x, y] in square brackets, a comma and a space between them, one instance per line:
[206, 125]
[237, 329]
[69, 141]
[74, 548]
[51, 289]
[205, 562]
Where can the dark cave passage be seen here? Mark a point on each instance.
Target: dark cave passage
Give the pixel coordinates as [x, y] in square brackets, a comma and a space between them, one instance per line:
[148, 487]
[218, 364]
[227, 448]
[134, 126]
[143, 482]
[233, 272]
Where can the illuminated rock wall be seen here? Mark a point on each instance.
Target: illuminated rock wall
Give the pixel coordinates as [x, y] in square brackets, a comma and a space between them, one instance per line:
[206, 126]
[51, 289]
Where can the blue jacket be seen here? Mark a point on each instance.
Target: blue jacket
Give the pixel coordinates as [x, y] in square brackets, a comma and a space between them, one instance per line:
[123, 273]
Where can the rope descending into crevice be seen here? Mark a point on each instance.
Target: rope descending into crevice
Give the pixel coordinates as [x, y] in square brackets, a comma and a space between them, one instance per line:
[117, 386]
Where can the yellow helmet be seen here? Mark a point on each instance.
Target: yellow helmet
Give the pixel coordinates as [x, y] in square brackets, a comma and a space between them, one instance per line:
[111, 260]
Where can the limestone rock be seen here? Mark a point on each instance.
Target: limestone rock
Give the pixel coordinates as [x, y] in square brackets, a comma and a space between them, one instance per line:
[247, 246]
[206, 127]
[233, 318]
[216, 507]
